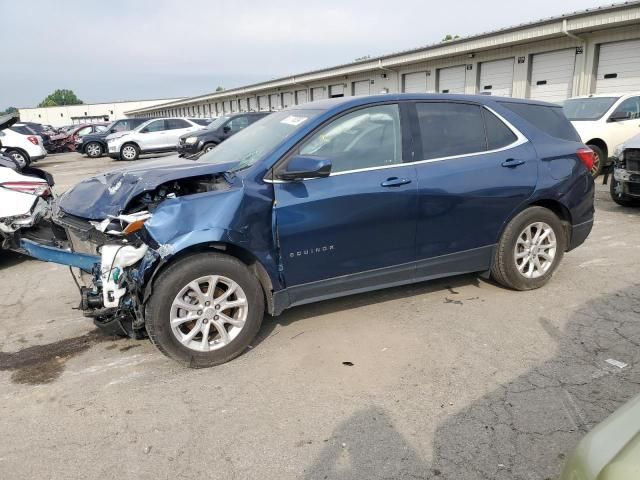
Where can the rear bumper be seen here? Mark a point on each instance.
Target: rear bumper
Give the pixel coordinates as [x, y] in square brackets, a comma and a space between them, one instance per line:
[579, 234]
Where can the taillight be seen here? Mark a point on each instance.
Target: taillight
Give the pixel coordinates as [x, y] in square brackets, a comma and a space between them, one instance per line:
[586, 156]
[33, 188]
[33, 140]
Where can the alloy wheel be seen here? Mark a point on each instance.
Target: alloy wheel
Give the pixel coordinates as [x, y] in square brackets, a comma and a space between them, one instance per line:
[535, 250]
[129, 152]
[93, 150]
[208, 313]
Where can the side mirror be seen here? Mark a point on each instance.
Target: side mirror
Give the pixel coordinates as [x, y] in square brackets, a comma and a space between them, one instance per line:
[226, 129]
[302, 167]
[144, 130]
[113, 130]
[619, 116]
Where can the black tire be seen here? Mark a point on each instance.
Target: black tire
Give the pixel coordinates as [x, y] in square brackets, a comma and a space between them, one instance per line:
[208, 147]
[19, 156]
[169, 284]
[126, 148]
[93, 150]
[599, 160]
[619, 197]
[504, 269]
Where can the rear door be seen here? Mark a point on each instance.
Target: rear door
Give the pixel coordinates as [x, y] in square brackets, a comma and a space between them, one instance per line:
[362, 218]
[175, 128]
[474, 171]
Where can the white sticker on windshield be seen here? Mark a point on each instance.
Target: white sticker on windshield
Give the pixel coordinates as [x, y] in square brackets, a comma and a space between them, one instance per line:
[294, 120]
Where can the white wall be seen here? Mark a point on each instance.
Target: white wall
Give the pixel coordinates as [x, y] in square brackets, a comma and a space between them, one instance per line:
[59, 116]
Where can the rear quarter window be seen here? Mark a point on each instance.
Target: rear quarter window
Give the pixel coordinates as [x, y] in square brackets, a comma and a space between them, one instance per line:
[551, 120]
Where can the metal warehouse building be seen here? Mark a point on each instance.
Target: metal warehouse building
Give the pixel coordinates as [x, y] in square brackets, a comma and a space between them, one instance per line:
[85, 113]
[591, 51]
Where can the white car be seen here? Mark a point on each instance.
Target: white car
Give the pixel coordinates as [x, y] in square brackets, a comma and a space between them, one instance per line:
[21, 147]
[155, 136]
[603, 122]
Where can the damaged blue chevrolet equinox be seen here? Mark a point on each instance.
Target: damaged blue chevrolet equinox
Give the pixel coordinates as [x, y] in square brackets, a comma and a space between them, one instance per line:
[319, 201]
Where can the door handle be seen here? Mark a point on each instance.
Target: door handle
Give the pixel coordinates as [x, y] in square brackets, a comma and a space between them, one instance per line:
[395, 182]
[512, 162]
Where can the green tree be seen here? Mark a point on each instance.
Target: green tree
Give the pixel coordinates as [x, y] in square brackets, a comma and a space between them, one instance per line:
[449, 37]
[220, 89]
[9, 111]
[61, 97]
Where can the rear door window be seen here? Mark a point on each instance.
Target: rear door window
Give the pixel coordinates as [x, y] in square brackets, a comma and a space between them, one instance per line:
[498, 134]
[550, 120]
[177, 123]
[448, 129]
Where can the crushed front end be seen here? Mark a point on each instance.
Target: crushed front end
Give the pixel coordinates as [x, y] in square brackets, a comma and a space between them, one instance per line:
[626, 172]
[111, 255]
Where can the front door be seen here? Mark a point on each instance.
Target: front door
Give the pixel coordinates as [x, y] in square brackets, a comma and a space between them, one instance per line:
[153, 136]
[175, 128]
[359, 223]
[474, 172]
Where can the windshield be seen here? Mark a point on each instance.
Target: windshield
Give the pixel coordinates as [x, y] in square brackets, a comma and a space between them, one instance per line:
[217, 123]
[251, 144]
[587, 108]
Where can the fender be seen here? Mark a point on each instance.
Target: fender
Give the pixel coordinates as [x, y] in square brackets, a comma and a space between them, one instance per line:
[233, 217]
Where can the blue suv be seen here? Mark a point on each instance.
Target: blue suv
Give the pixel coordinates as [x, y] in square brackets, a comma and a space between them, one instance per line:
[319, 201]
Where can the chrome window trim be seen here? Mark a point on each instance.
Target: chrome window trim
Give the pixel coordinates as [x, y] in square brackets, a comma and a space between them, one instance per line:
[520, 140]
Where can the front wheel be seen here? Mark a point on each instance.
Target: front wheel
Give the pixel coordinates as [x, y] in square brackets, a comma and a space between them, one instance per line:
[205, 310]
[129, 151]
[530, 249]
[208, 147]
[616, 191]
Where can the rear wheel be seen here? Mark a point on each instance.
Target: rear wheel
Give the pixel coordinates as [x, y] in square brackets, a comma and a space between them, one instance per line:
[530, 249]
[616, 191]
[93, 150]
[129, 151]
[20, 157]
[598, 160]
[205, 310]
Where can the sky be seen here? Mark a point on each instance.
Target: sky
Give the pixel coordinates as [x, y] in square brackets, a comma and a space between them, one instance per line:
[109, 50]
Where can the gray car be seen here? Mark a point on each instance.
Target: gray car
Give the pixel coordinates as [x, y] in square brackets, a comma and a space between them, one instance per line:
[625, 184]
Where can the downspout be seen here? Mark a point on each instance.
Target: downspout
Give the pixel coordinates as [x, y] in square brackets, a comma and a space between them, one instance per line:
[565, 30]
[380, 67]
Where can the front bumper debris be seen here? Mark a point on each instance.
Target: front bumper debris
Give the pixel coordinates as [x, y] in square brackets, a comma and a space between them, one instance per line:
[83, 261]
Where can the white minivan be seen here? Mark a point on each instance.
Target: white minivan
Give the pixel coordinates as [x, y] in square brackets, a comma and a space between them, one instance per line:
[603, 122]
[155, 136]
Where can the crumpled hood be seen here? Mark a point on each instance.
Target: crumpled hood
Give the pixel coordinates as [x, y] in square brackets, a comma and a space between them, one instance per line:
[96, 198]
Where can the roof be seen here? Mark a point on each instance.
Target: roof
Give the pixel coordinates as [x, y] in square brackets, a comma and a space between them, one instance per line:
[454, 46]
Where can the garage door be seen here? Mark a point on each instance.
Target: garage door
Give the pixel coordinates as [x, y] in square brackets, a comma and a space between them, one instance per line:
[619, 67]
[336, 90]
[301, 97]
[253, 104]
[227, 106]
[318, 93]
[263, 103]
[361, 88]
[496, 78]
[452, 79]
[243, 104]
[275, 101]
[552, 75]
[414, 82]
[287, 99]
